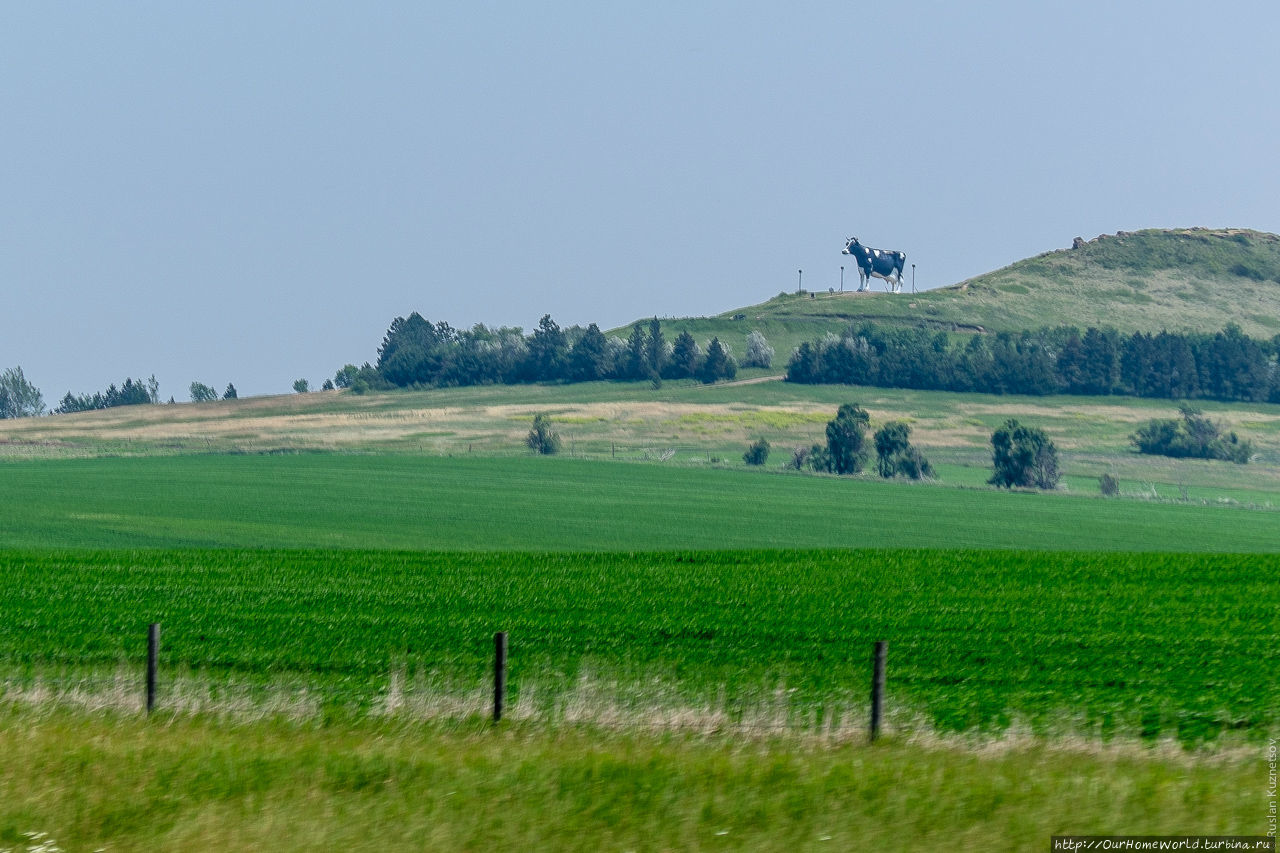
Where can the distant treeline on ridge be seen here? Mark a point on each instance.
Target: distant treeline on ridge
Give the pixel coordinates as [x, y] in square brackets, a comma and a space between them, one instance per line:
[415, 352]
[1227, 365]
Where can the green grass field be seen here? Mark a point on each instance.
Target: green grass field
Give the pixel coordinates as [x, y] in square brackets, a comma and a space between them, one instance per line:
[125, 784]
[678, 425]
[1058, 662]
[524, 503]
[1093, 645]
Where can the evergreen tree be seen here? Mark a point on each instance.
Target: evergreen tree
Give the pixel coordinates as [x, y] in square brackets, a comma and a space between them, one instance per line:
[1100, 371]
[686, 357]
[637, 354]
[655, 350]
[589, 358]
[548, 350]
[718, 364]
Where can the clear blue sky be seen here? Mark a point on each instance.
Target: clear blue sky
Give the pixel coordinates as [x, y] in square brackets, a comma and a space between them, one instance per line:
[250, 192]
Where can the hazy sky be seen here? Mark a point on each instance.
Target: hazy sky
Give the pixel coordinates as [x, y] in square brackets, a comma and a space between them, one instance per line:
[250, 192]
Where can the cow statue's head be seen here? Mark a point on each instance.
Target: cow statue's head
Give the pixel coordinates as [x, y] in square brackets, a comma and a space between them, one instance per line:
[848, 245]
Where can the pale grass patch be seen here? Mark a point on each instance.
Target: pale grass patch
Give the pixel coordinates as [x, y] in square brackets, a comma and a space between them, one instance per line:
[411, 422]
[595, 701]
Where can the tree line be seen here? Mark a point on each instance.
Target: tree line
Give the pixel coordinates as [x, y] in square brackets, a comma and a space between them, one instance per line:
[418, 353]
[130, 393]
[20, 399]
[1227, 366]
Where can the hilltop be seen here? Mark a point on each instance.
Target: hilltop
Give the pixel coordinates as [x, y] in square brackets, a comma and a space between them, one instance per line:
[1191, 279]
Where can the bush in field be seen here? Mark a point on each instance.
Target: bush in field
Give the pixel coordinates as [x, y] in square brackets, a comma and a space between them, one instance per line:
[541, 438]
[818, 458]
[1108, 485]
[799, 458]
[1023, 456]
[1194, 436]
[757, 453]
[301, 386]
[895, 454]
[847, 439]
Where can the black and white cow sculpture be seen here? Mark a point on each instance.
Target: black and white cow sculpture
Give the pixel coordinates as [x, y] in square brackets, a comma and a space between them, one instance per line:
[880, 263]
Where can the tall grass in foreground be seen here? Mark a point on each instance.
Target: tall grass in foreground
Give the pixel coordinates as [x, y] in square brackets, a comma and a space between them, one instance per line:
[92, 781]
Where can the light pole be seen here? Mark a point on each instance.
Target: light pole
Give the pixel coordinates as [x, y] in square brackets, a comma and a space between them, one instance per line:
[913, 278]
[799, 282]
[842, 278]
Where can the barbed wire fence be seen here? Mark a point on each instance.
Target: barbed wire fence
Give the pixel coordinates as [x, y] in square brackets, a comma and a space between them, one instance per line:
[863, 711]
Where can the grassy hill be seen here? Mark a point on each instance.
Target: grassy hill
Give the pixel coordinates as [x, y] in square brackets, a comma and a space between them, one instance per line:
[1182, 280]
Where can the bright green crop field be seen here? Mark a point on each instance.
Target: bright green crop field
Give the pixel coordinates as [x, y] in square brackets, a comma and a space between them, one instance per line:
[530, 504]
[1101, 645]
[689, 657]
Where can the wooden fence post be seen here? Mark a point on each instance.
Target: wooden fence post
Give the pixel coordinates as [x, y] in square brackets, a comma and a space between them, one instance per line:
[499, 673]
[877, 688]
[153, 652]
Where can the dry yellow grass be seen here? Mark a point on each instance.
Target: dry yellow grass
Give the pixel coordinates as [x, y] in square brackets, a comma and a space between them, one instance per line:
[950, 428]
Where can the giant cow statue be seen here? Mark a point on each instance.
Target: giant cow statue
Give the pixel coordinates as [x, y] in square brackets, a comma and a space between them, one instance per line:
[880, 263]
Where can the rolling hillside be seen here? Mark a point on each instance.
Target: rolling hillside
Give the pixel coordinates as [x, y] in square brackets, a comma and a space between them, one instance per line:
[1182, 280]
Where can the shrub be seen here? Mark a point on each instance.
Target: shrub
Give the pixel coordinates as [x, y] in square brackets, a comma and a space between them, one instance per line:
[800, 458]
[1109, 485]
[301, 386]
[541, 438]
[895, 454]
[1023, 456]
[820, 459]
[1195, 436]
[757, 453]
[913, 464]
[759, 353]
